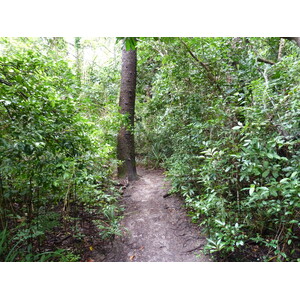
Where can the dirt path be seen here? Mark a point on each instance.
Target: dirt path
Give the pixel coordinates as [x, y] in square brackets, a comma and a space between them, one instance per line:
[156, 228]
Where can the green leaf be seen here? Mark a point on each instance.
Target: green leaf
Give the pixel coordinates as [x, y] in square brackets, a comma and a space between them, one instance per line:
[130, 43]
[284, 180]
[220, 222]
[294, 174]
[252, 189]
[273, 192]
[240, 243]
[265, 173]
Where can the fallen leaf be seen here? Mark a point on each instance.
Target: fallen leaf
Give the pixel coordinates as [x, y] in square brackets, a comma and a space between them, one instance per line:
[21, 220]
[132, 257]
[90, 260]
[91, 248]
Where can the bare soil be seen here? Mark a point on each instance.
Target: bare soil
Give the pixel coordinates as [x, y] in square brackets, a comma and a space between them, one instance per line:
[156, 228]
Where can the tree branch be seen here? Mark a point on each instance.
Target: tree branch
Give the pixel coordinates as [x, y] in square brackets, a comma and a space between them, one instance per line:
[265, 61]
[5, 82]
[203, 65]
[25, 97]
[8, 112]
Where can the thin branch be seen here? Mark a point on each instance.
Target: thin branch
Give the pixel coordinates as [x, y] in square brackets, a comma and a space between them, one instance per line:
[7, 111]
[203, 65]
[5, 82]
[25, 97]
[266, 61]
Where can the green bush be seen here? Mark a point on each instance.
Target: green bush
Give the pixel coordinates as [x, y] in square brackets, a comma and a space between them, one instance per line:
[52, 155]
[231, 151]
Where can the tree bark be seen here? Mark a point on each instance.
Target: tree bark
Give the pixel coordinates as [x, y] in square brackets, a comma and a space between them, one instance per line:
[280, 50]
[125, 147]
[265, 61]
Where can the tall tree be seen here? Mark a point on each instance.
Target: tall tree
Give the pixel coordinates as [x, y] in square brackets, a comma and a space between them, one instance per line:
[125, 147]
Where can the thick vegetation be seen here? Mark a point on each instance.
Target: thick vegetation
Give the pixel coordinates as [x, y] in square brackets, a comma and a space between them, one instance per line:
[221, 115]
[225, 125]
[56, 148]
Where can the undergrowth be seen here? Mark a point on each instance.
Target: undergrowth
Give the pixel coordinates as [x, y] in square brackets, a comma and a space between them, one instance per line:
[230, 148]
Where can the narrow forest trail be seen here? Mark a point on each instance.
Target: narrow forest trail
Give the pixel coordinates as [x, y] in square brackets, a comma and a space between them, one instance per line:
[156, 229]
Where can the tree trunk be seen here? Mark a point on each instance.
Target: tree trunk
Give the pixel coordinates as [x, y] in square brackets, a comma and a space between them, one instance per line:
[79, 60]
[125, 148]
[280, 50]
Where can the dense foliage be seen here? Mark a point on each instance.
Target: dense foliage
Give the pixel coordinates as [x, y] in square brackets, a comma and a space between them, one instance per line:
[226, 127]
[55, 160]
[221, 115]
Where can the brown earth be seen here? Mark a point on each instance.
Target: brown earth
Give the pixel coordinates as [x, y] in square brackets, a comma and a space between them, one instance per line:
[156, 229]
